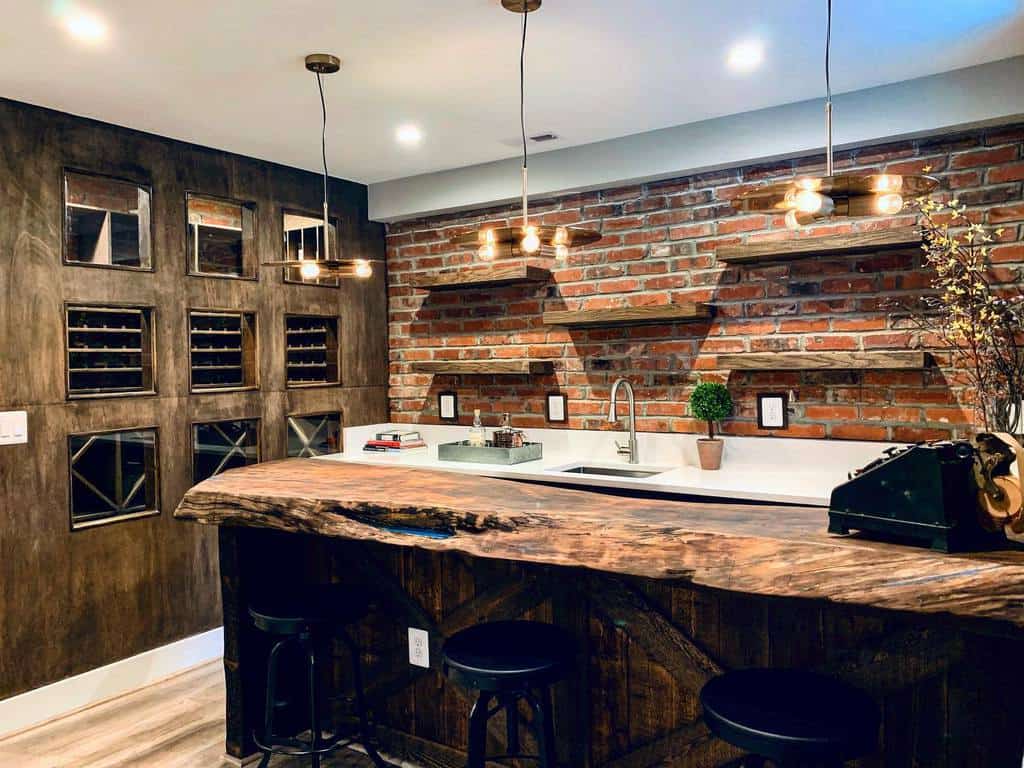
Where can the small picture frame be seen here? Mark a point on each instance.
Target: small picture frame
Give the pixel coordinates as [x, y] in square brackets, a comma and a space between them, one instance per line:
[448, 406]
[773, 410]
[556, 408]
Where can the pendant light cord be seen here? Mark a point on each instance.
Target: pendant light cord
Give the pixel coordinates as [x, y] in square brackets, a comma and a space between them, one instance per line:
[522, 85]
[828, 89]
[323, 156]
[828, 47]
[522, 106]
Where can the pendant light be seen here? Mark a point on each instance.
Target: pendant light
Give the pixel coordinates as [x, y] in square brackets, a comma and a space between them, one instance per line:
[322, 64]
[810, 198]
[530, 239]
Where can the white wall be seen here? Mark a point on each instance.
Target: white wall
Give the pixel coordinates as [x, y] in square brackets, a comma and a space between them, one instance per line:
[985, 94]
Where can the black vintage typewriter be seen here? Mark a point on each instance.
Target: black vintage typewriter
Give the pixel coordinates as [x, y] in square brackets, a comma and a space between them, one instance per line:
[925, 493]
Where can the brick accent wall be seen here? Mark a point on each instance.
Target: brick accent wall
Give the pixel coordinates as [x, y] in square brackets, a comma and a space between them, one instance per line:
[659, 246]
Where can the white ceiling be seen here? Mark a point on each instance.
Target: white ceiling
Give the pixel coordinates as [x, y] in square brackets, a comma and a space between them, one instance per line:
[229, 73]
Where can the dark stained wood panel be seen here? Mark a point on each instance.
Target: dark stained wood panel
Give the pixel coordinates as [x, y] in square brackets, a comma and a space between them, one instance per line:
[480, 277]
[72, 601]
[754, 549]
[667, 313]
[485, 366]
[823, 361]
[796, 248]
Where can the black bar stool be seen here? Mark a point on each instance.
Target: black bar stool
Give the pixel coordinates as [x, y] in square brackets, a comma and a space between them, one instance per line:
[306, 620]
[509, 662]
[791, 717]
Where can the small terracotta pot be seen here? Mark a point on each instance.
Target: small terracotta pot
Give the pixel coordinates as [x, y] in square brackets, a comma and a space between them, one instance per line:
[710, 452]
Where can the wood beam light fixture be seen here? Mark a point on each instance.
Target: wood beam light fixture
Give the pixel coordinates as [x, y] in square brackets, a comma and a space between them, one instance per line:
[807, 199]
[530, 239]
[314, 267]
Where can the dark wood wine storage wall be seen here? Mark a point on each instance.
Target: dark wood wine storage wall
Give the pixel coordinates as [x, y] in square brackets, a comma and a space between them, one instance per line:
[109, 345]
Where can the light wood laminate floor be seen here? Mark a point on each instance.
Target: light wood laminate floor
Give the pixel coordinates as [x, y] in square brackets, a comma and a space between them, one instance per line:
[177, 723]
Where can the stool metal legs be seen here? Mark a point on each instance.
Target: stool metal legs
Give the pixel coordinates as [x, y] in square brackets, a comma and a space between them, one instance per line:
[542, 726]
[318, 744]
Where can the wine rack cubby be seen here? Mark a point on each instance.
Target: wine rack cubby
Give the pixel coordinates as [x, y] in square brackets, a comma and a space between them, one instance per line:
[109, 351]
[221, 445]
[222, 350]
[113, 476]
[315, 434]
[221, 237]
[106, 222]
[311, 350]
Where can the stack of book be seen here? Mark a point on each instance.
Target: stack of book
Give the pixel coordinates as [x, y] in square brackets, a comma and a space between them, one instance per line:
[396, 441]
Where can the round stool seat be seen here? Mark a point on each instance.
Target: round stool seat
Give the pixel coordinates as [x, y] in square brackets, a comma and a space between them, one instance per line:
[791, 715]
[306, 608]
[506, 655]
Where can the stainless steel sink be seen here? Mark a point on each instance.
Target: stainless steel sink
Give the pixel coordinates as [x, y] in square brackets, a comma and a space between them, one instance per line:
[611, 471]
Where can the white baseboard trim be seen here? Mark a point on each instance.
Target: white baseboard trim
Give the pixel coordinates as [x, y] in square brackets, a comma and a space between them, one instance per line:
[97, 685]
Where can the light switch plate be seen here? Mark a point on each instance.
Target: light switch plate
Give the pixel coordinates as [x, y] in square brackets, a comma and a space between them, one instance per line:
[419, 648]
[13, 427]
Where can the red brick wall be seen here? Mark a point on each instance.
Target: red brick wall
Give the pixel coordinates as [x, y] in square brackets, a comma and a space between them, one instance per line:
[658, 247]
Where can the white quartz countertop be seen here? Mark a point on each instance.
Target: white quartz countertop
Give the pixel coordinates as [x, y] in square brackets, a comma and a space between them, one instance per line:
[779, 470]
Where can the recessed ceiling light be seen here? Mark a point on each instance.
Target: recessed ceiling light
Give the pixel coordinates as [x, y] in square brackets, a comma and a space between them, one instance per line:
[84, 25]
[408, 135]
[745, 56]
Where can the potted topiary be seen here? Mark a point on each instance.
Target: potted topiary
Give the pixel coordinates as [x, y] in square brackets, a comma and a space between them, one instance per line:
[710, 402]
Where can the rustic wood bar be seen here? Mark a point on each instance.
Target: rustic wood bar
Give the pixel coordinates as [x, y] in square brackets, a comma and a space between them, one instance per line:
[661, 594]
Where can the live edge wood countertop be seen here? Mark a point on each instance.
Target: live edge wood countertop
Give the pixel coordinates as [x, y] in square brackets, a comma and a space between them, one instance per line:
[771, 550]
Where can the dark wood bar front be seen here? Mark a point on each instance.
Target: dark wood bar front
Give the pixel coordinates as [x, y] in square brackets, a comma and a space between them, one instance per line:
[659, 594]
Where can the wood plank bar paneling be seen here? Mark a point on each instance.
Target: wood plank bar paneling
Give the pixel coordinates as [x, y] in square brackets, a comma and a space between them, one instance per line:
[796, 248]
[667, 313]
[823, 361]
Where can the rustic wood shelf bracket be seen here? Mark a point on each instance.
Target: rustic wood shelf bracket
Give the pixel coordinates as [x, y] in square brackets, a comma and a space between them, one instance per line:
[480, 277]
[485, 366]
[595, 318]
[805, 247]
[824, 361]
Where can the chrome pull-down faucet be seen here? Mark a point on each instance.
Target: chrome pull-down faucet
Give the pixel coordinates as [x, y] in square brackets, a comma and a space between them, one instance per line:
[629, 449]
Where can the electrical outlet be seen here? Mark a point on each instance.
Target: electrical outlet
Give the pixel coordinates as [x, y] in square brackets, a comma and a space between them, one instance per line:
[13, 427]
[419, 648]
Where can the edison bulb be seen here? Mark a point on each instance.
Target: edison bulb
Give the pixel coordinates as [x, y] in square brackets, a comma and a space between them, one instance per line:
[809, 183]
[485, 252]
[808, 201]
[887, 183]
[531, 241]
[561, 252]
[363, 269]
[309, 270]
[889, 204]
[561, 236]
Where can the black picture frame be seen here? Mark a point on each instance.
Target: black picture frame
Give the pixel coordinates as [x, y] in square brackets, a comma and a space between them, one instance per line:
[783, 399]
[553, 415]
[442, 408]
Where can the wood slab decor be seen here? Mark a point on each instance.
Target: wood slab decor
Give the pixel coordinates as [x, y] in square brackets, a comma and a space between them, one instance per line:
[667, 313]
[779, 250]
[769, 550]
[824, 361]
[480, 277]
[484, 366]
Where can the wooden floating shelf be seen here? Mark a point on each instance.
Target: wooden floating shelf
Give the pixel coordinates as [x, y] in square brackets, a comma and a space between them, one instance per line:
[485, 366]
[480, 277]
[668, 313]
[804, 247]
[824, 361]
